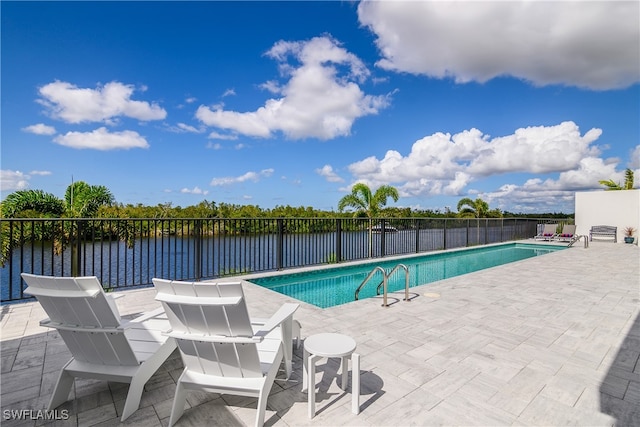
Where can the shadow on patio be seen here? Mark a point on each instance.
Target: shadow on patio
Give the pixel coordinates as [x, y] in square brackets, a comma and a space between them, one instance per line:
[620, 389]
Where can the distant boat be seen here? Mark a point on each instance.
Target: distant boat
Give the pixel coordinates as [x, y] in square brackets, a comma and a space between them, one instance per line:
[387, 229]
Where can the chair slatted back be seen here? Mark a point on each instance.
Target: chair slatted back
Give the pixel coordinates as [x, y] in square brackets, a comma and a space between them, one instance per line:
[549, 229]
[196, 310]
[85, 317]
[569, 229]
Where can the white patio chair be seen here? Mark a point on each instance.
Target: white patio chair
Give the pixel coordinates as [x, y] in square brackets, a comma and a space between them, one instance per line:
[567, 234]
[220, 350]
[289, 330]
[548, 233]
[102, 346]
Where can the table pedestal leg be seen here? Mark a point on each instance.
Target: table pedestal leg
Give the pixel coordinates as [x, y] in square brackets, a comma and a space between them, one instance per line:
[355, 383]
[305, 360]
[345, 372]
[311, 386]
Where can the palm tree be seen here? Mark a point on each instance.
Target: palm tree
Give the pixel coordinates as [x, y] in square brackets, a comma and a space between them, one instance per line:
[81, 201]
[365, 202]
[628, 179]
[477, 208]
[35, 202]
[610, 184]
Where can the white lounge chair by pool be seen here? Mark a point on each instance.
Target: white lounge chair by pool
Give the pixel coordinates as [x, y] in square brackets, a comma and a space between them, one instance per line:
[567, 234]
[103, 346]
[219, 348]
[289, 330]
[548, 232]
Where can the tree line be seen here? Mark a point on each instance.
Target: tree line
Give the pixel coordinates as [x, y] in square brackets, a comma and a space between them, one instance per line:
[82, 200]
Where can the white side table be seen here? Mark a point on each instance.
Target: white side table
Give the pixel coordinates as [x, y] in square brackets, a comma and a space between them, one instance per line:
[331, 345]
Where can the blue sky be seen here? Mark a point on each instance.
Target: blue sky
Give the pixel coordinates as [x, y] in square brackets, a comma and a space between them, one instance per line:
[291, 103]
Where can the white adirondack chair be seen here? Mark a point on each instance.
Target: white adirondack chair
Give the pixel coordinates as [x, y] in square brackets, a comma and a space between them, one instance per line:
[220, 350]
[289, 330]
[103, 346]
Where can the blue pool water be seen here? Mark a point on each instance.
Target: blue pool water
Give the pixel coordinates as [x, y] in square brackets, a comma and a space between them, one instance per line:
[334, 286]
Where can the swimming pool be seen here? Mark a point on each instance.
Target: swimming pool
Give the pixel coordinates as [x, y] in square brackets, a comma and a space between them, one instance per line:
[328, 287]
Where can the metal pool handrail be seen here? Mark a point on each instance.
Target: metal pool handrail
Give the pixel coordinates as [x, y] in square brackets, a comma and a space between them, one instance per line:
[369, 276]
[384, 282]
[406, 281]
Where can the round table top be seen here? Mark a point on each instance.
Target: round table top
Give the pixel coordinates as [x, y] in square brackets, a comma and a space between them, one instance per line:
[330, 345]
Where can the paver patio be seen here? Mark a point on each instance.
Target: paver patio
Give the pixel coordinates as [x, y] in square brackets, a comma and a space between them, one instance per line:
[552, 340]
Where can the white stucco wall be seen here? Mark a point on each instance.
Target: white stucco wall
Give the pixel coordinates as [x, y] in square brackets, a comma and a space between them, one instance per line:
[617, 208]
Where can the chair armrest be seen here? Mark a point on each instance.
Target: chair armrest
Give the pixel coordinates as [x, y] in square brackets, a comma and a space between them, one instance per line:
[213, 338]
[47, 323]
[282, 315]
[196, 300]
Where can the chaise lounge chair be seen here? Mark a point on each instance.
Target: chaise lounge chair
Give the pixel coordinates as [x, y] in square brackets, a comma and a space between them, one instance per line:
[220, 349]
[567, 234]
[548, 233]
[102, 346]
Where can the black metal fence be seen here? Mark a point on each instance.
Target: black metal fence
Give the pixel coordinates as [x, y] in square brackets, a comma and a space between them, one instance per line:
[125, 253]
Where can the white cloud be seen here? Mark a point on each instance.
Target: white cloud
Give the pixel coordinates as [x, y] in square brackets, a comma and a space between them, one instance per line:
[535, 149]
[40, 129]
[538, 195]
[40, 173]
[102, 139]
[445, 164]
[272, 86]
[593, 44]
[194, 190]
[217, 135]
[329, 174]
[249, 176]
[72, 104]
[188, 128]
[321, 98]
[190, 100]
[634, 163]
[182, 127]
[13, 180]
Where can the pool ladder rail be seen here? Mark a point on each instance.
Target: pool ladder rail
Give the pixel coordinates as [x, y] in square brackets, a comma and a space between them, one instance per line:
[384, 283]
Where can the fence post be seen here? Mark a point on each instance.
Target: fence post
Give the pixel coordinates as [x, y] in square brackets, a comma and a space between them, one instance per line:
[383, 230]
[197, 256]
[339, 240]
[280, 244]
[467, 244]
[444, 234]
[76, 249]
[416, 226]
[486, 231]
